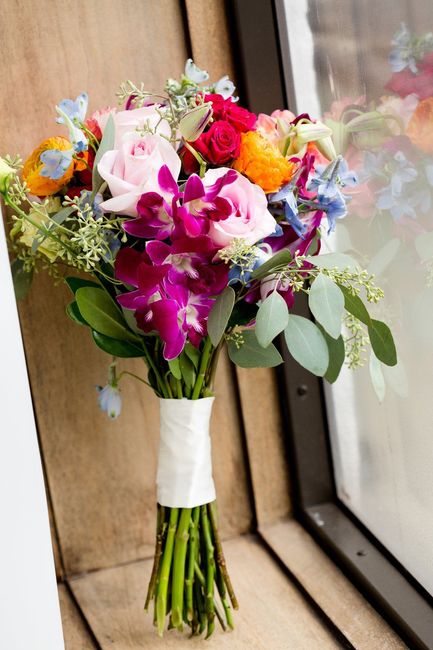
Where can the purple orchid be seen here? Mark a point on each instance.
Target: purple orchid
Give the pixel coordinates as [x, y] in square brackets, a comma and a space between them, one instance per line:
[183, 255]
[134, 269]
[202, 204]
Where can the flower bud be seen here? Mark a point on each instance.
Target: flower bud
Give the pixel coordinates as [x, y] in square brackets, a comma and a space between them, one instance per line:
[311, 132]
[194, 122]
[6, 171]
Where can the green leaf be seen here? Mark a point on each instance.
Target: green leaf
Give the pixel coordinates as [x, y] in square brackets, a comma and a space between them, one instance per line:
[377, 378]
[355, 306]
[340, 261]
[282, 258]
[107, 143]
[193, 354]
[75, 314]
[382, 342]
[22, 279]
[102, 314]
[251, 354]
[220, 314]
[384, 257]
[115, 347]
[187, 369]
[174, 366]
[336, 351]
[307, 345]
[326, 303]
[75, 283]
[271, 319]
[396, 379]
[58, 218]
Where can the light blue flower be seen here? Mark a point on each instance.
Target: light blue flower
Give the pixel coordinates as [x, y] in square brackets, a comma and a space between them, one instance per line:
[56, 163]
[110, 401]
[72, 114]
[225, 87]
[84, 199]
[335, 208]
[290, 207]
[328, 179]
[194, 73]
[403, 55]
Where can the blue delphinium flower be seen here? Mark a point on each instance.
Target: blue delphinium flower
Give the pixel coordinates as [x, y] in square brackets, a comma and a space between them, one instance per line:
[290, 206]
[328, 181]
[402, 56]
[72, 113]
[109, 400]
[56, 163]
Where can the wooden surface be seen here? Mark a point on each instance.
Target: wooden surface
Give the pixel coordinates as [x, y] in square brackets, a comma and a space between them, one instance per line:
[329, 588]
[273, 614]
[75, 633]
[264, 430]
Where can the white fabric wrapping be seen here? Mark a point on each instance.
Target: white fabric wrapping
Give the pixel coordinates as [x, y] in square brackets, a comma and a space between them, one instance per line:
[184, 475]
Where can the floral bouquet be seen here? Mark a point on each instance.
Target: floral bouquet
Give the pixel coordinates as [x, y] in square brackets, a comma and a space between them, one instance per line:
[192, 224]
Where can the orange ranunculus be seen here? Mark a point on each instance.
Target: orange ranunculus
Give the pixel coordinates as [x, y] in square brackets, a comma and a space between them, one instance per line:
[41, 185]
[263, 163]
[420, 127]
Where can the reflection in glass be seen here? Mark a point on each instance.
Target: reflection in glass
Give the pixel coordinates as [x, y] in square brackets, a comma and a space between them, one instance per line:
[370, 78]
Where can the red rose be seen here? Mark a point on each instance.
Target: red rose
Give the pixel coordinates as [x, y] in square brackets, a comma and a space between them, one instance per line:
[406, 82]
[224, 109]
[218, 146]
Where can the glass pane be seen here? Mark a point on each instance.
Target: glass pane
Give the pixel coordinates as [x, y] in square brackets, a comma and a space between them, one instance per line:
[367, 68]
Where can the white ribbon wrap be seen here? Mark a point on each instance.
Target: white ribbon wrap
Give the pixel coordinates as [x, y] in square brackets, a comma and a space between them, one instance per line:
[184, 475]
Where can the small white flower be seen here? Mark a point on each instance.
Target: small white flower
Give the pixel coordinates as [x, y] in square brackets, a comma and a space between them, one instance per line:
[194, 73]
[110, 401]
[225, 87]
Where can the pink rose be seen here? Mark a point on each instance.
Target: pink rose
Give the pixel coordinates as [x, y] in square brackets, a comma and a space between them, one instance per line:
[132, 169]
[127, 122]
[250, 218]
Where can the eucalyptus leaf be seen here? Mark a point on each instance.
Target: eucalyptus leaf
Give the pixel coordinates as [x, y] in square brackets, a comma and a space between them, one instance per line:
[187, 369]
[102, 313]
[174, 366]
[341, 261]
[75, 314]
[355, 306]
[220, 314]
[396, 379]
[250, 354]
[56, 220]
[282, 258]
[307, 345]
[382, 342]
[336, 351]
[75, 283]
[272, 317]
[384, 257]
[115, 347]
[22, 279]
[326, 303]
[377, 378]
[107, 143]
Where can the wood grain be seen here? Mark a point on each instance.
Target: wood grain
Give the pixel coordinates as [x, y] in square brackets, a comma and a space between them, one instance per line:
[75, 632]
[273, 614]
[264, 430]
[100, 474]
[329, 588]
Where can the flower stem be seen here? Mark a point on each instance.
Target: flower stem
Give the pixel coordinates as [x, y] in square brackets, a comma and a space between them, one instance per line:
[220, 555]
[193, 548]
[160, 531]
[161, 597]
[180, 549]
[210, 572]
[202, 369]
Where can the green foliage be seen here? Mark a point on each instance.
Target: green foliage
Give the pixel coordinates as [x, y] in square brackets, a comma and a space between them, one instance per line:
[382, 342]
[246, 352]
[272, 317]
[354, 305]
[326, 303]
[115, 347]
[107, 143]
[75, 283]
[74, 314]
[174, 366]
[220, 314]
[377, 378]
[187, 369]
[22, 279]
[280, 259]
[193, 354]
[242, 314]
[337, 353]
[339, 261]
[102, 313]
[307, 344]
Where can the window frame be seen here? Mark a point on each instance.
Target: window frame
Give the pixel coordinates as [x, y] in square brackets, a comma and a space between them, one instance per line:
[385, 583]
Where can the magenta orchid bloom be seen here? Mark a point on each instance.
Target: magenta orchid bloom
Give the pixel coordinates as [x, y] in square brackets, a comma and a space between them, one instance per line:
[184, 255]
[179, 315]
[134, 269]
[202, 205]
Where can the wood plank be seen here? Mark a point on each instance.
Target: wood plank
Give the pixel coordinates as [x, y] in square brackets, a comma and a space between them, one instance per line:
[75, 632]
[100, 474]
[210, 37]
[264, 430]
[329, 588]
[273, 614]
